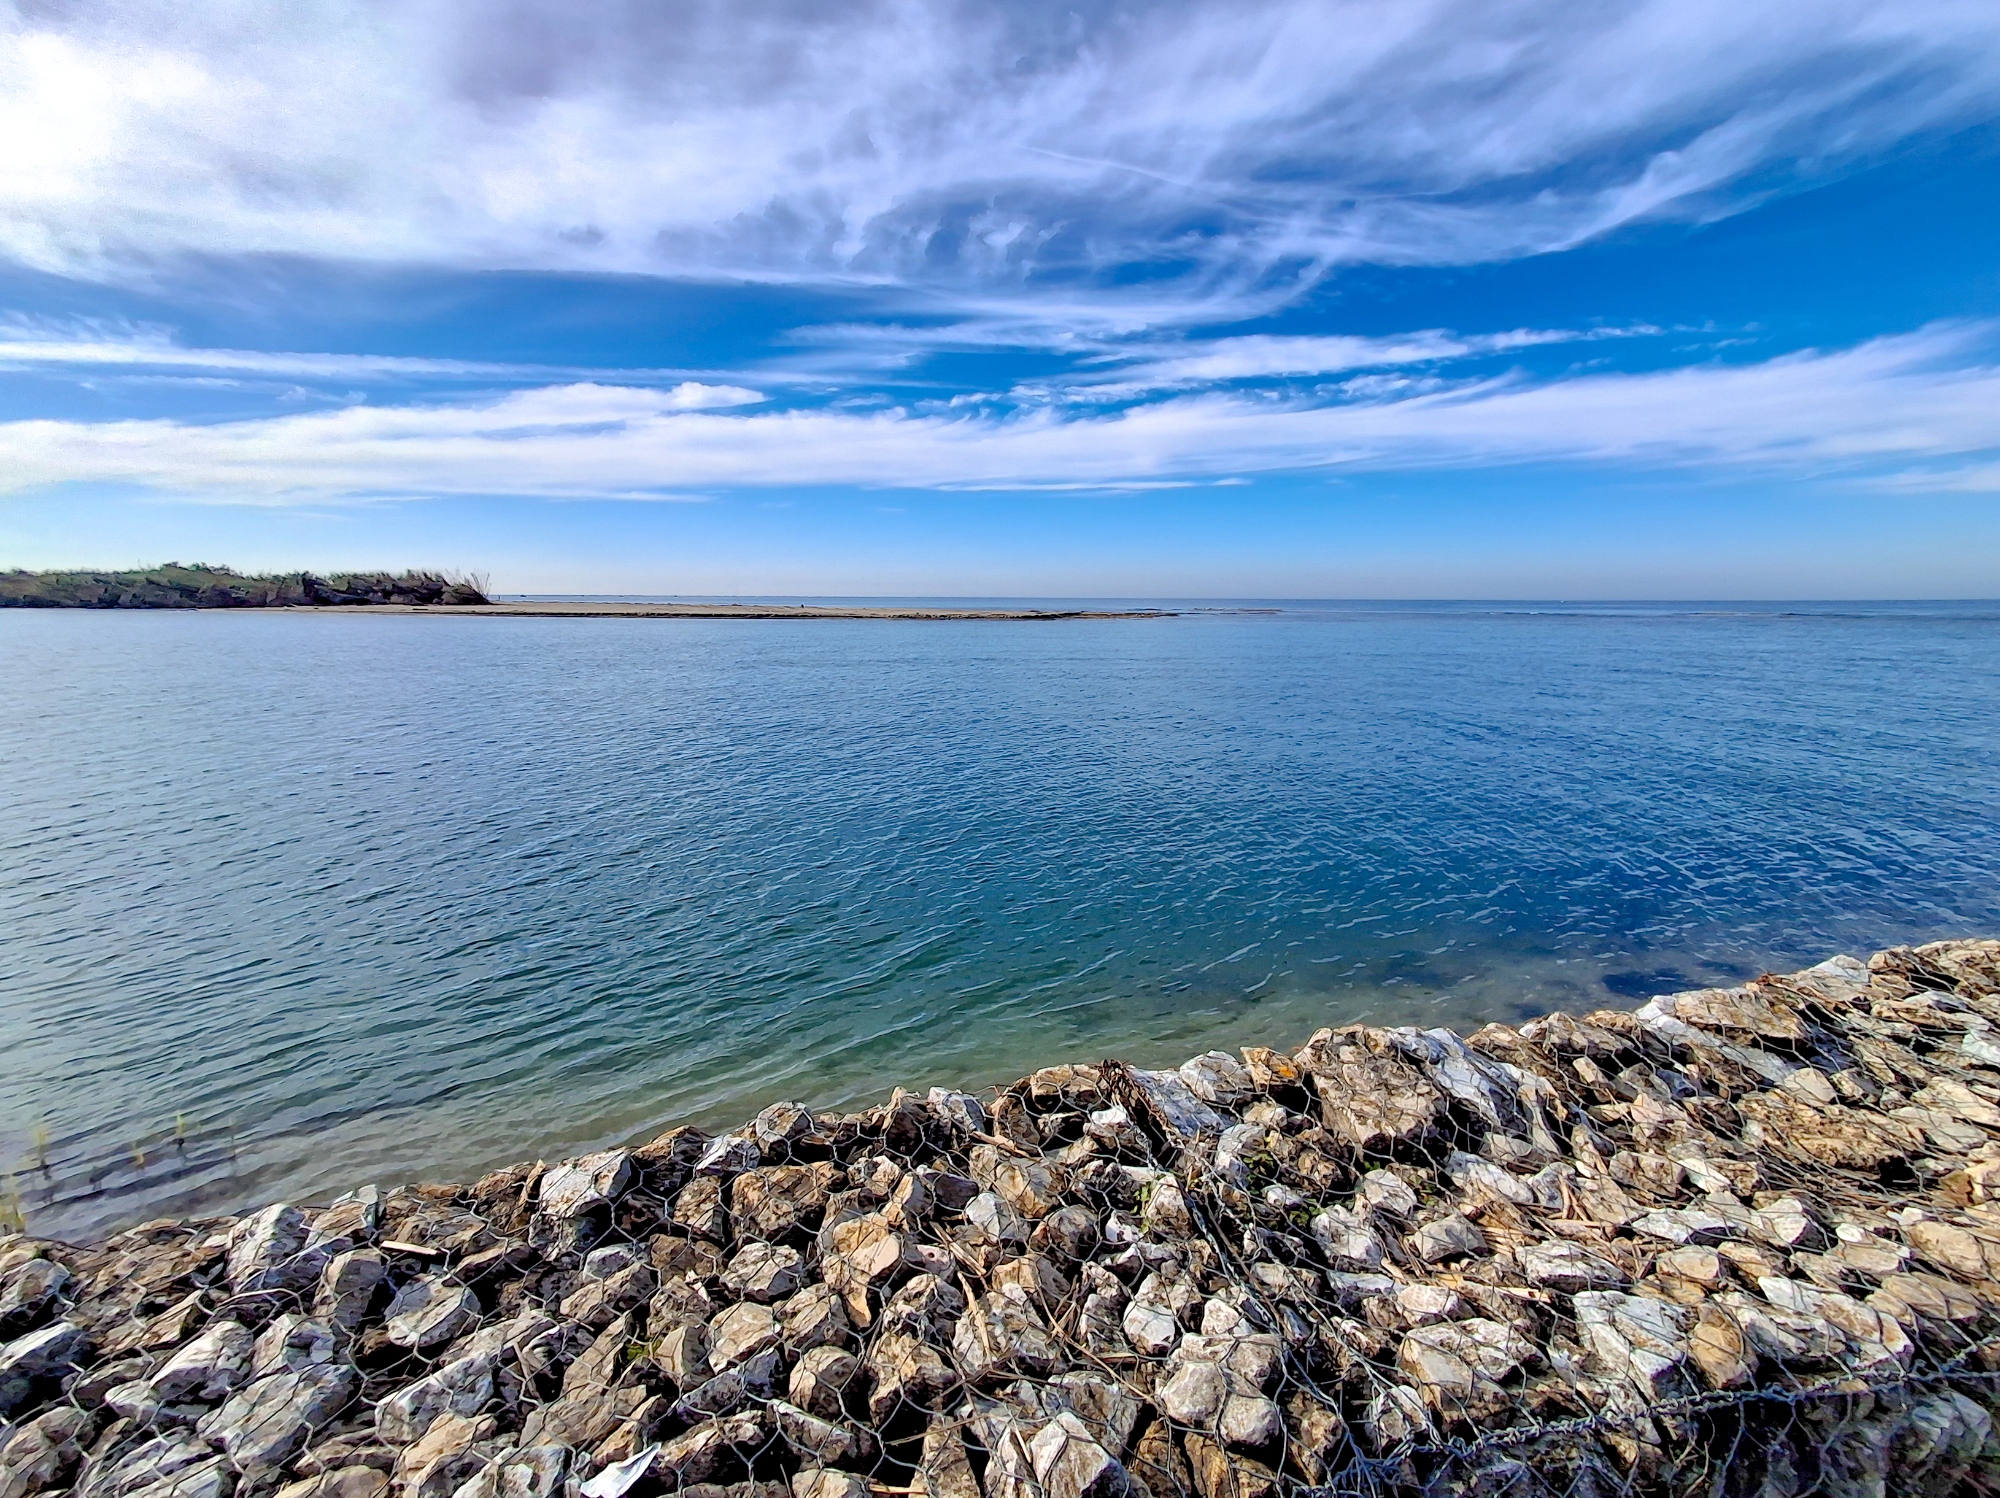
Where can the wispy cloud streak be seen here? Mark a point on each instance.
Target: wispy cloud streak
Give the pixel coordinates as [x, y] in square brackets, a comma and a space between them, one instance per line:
[1213, 153]
[1918, 403]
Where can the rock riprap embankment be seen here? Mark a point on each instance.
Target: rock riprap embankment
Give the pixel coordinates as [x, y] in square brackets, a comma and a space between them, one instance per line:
[1738, 1241]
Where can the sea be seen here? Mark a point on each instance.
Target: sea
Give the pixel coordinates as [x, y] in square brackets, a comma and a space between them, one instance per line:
[294, 903]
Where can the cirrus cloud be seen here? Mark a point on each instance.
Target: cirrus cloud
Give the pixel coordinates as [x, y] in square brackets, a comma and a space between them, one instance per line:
[1920, 404]
[1216, 155]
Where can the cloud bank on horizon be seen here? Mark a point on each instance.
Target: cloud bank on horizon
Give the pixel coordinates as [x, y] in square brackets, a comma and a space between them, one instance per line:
[1092, 246]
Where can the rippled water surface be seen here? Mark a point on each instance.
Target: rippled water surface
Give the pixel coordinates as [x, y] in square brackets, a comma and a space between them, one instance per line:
[344, 898]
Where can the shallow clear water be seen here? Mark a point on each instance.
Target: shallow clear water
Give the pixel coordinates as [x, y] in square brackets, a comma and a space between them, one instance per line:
[366, 897]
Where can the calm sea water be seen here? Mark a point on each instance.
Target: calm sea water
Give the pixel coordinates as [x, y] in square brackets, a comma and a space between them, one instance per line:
[292, 903]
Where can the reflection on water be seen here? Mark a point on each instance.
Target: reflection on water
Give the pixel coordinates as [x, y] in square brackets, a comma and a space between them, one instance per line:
[375, 898]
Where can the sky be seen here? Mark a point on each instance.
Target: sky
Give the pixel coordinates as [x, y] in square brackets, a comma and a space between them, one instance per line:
[1252, 298]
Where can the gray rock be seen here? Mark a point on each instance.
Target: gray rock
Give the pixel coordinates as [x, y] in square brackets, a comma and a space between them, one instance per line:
[682, 1354]
[202, 1372]
[1250, 1422]
[41, 1453]
[577, 1186]
[728, 1155]
[45, 1355]
[146, 1465]
[752, 1380]
[1219, 1078]
[694, 1455]
[262, 1249]
[740, 1333]
[1193, 1393]
[429, 1312]
[1449, 1237]
[821, 1382]
[995, 1221]
[603, 1263]
[1176, 1107]
[821, 1441]
[1635, 1338]
[904, 1369]
[1166, 1213]
[961, 1110]
[1388, 1193]
[823, 1482]
[780, 1126]
[291, 1341]
[348, 1288]
[765, 1272]
[1069, 1462]
[1072, 1232]
[464, 1387]
[31, 1292]
[525, 1472]
[1567, 1267]
[1348, 1240]
[815, 1317]
[264, 1424]
[1108, 1410]
[599, 1302]
[1002, 1334]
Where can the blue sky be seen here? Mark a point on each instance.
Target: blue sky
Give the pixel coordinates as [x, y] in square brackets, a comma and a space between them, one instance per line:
[1667, 298]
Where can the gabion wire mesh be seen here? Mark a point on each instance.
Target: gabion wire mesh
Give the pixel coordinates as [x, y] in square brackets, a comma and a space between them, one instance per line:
[1738, 1242]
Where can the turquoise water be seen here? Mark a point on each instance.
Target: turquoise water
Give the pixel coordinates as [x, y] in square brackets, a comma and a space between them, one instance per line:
[360, 897]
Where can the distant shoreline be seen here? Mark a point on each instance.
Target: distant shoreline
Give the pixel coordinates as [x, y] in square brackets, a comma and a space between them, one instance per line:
[562, 610]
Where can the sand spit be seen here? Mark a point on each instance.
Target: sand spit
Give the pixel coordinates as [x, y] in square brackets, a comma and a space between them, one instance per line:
[1739, 1241]
[573, 610]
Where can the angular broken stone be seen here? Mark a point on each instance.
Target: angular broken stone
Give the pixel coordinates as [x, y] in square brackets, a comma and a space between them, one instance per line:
[206, 1369]
[348, 1288]
[994, 1220]
[815, 1317]
[1348, 1240]
[30, 1292]
[1451, 1237]
[49, 1353]
[821, 1440]
[778, 1202]
[740, 1333]
[765, 1272]
[864, 1254]
[821, 1382]
[1718, 1346]
[265, 1424]
[268, 1252]
[462, 1387]
[1635, 1338]
[429, 1312]
[1002, 1335]
[698, 1209]
[728, 1155]
[1069, 1462]
[1218, 1078]
[577, 1186]
[597, 1303]
[902, 1369]
[1388, 1193]
[1567, 1267]
[1373, 1102]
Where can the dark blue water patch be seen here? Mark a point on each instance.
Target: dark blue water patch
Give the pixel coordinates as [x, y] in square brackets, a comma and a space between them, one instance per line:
[288, 903]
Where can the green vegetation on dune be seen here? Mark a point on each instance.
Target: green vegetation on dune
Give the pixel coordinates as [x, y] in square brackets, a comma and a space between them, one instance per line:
[195, 586]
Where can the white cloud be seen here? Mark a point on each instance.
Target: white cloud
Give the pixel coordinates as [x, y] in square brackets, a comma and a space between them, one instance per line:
[1229, 146]
[33, 343]
[1926, 402]
[1279, 356]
